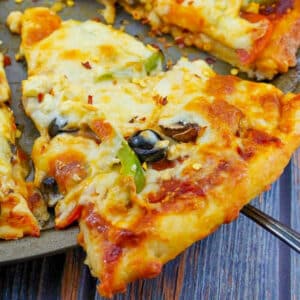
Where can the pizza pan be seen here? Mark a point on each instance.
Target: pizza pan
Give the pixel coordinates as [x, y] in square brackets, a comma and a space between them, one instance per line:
[52, 241]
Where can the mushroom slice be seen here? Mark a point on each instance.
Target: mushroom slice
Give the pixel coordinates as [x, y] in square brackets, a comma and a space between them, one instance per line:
[182, 131]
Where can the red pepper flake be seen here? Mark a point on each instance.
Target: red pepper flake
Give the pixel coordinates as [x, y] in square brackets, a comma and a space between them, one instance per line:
[145, 21]
[164, 101]
[40, 97]
[132, 120]
[87, 65]
[6, 61]
[22, 155]
[90, 99]
[96, 19]
[210, 60]
[160, 100]
[179, 41]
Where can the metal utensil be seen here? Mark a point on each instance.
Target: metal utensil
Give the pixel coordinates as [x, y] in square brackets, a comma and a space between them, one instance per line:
[281, 231]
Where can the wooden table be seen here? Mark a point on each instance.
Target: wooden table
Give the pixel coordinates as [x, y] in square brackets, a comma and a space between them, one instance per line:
[239, 261]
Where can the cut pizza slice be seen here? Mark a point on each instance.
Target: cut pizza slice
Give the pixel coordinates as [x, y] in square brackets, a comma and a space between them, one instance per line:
[259, 37]
[16, 218]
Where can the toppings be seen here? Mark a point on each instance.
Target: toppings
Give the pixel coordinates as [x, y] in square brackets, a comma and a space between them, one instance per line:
[90, 99]
[58, 125]
[40, 97]
[87, 65]
[160, 100]
[50, 191]
[148, 145]
[6, 61]
[131, 166]
[182, 131]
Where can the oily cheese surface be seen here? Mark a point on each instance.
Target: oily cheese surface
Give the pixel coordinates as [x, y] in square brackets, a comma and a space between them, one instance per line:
[243, 128]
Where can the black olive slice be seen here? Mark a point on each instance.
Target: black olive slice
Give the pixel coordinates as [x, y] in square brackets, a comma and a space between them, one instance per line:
[58, 125]
[148, 145]
[49, 189]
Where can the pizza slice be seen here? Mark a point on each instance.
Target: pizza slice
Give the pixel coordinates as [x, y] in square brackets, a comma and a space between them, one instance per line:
[143, 162]
[16, 218]
[259, 37]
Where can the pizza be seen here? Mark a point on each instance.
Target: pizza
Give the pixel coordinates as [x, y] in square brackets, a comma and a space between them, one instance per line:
[143, 158]
[17, 201]
[259, 37]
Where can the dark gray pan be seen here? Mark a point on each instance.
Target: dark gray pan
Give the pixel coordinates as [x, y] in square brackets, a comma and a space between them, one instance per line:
[51, 240]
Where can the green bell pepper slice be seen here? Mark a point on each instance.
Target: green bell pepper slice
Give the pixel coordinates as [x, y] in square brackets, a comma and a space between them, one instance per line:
[153, 61]
[131, 166]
